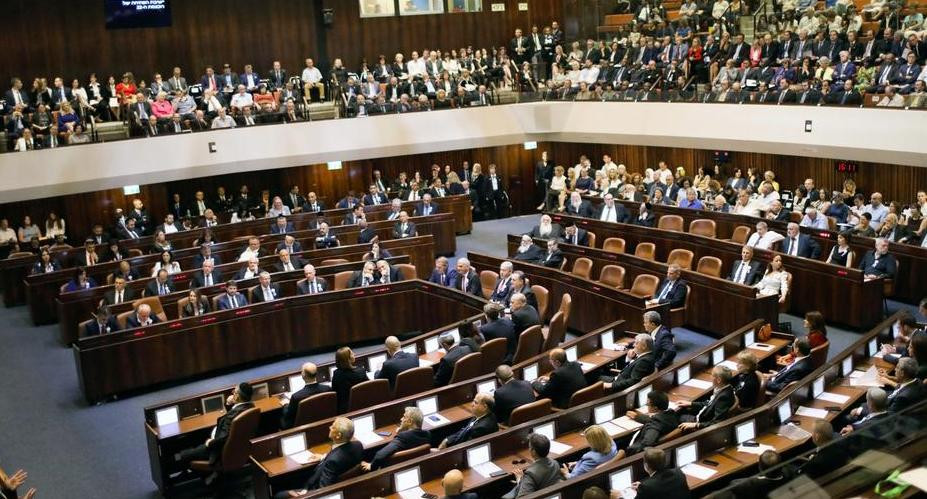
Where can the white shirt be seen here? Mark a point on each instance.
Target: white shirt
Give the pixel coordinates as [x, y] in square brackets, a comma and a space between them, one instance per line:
[609, 214]
[219, 122]
[766, 241]
[763, 201]
[247, 254]
[240, 100]
[312, 75]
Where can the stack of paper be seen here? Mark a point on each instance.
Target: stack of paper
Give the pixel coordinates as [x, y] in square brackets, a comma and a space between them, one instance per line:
[368, 438]
[487, 468]
[869, 378]
[612, 428]
[698, 471]
[627, 423]
[304, 457]
[425, 363]
[413, 493]
[833, 397]
[586, 366]
[434, 420]
[811, 412]
[759, 449]
[559, 447]
[730, 364]
[793, 432]
[698, 383]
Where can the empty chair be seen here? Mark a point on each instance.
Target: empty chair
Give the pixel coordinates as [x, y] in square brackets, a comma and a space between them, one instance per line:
[333, 261]
[493, 353]
[588, 394]
[703, 227]
[645, 285]
[612, 275]
[134, 253]
[556, 332]
[368, 394]
[527, 412]
[647, 251]
[412, 381]
[582, 267]
[614, 245]
[541, 293]
[677, 316]
[681, 257]
[316, 408]
[488, 282]
[237, 448]
[590, 239]
[529, 344]
[563, 264]
[407, 271]
[741, 234]
[566, 303]
[467, 367]
[819, 354]
[341, 279]
[408, 454]
[709, 265]
[670, 222]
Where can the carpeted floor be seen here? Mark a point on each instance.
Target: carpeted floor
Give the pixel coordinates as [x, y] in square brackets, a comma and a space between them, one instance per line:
[72, 450]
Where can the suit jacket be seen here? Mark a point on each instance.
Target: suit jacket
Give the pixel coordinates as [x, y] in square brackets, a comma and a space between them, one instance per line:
[669, 483]
[133, 322]
[501, 328]
[436, 277]
[357, 279]
[884, 267]
[501, 290]
[753, 274]
[511, 395]
[276, 229]
[399, 362]
[420, 209]
[639, 368]
[562, 383]
[290, 410]
[476, 428]
[204, 307]
[473, 283]
[223, 427]
[379, 199]
[39, 268]
[556, 232]
[654, 428]
[410, 231]
[258, 293]
[152, 288]
[303, 286]
[579, 238]
[552, 260]
[308, 207]
[664, 347]
[584, 209]
[524, 318]
[796, 371]
[676, 296]
[402, 441]
[225, 303]
[241, 273]
[621, 214]
[199, 280]
[903, 398]
[807, 247]
[109, 297]
[297, 263]
[445, 367]
[339, 460]
[93, 327]
[746, 387]
[716, 408]
[541, 474]
[532, 254]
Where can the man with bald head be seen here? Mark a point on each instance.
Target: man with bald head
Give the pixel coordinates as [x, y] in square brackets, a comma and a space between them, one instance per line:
[566, 379]
[312, 387]
[464, 278]
[208, 276]
[483, 422]
[512, 393]
[397, 361]
[142, 317]
[345, 454]
[453, 486]
[523, 314]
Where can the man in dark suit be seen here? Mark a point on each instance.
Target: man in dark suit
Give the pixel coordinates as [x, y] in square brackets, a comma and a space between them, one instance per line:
[546, 229]
[290, 244]
[445, 367]
[497, 326]
[386, 273]
[553, 258]
[409, 435]
[232, 298]
[238, 402]
[312, 387]
[345, 455]
[672, 290]
[355, 216]
[483, 422]
[125, 271]
[364, 277]
[119, 293]
[403, 227]
[908, 390]
[639, 366]
[657, 422]
[453, 484]
[324, 239]
[250, 270]
[521, 285]
[876, 410]
[287, 262]
[610, 211]
[661, 481]
[845, 96]
[160, 285]
[566, 379]
[770, 477]
[798, 244]
[800, 367]
[543, 472]
[312, 204]
[281, 226]
[103, 322]
[375, 197]
[701, 414]
[523, 314]
[575, 236]
[878, 263]
[208, 276]
[311, 284]
[664, 343]
[503, 285]
[527, 251]
[427, 206]
[511, 394]
[266, 290]
[397, 361]
[440, 274]
[828, 455]
[464, 278]
[746, 271]
[367, 234]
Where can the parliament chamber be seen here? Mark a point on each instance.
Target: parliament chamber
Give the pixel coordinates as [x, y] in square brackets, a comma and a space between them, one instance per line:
[465, 249]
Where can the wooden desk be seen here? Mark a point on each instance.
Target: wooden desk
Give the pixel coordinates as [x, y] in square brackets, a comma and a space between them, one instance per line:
[837, 292]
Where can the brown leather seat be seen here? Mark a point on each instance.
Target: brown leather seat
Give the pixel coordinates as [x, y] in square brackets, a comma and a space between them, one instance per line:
[582, 267]
[82, 326]
[493, 353]
[368, 394]
[407, 271]
[703, 227]
[709, 265]
[354, 472]
[467, 367]
[541, 293]
[614, 245]
[154, 302]
[681, 257]
[109, 279]
[237, 448]
[590, 238]
[588, 394]
[333, 261]
[488, 282]
[408, 454]
[670, 222]
[412, 381]
[741, 234]
[556, 332]
[563, 264]
[341, 279]
[181, 303]
[647, 251]
[215, 301]
[527, 412]
[20, 254]
[677, 316]
[123, 317]
[566, 304]
[529, 344]
[645, 285]
[819, 354]
[134, 253]
[612, 275]
[249, 292]
[318, 407]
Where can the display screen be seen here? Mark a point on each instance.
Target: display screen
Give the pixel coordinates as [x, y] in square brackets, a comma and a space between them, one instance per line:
[124, 14]
[846, 167]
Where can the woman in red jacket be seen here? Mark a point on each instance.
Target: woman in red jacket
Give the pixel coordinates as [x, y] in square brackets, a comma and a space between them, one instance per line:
[817, 335]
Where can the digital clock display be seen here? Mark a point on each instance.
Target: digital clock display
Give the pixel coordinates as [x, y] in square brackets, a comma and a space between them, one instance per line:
[846, 167]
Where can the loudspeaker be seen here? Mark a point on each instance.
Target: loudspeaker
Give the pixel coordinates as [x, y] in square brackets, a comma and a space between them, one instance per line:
[328, 16]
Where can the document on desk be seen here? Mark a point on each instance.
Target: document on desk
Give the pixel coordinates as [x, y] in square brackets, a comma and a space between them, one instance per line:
[869, 378]
[698, 471]
[762, 346]
[730, 364]
[559, 447]
[433, 421]
[304, 457]
[425, 363]
[486, 469]
[627, 423]
[368, 438]
[834, 397]
[698, 383]
[811, 412]
[759, 449]
[413, 493]
[916, 477]
[586, 366]
[612, 428]
[793, 432]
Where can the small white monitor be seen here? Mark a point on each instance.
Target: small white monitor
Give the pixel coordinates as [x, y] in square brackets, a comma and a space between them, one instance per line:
[608, 339]
[407, 479]
[336, 495]
[453, 332]
[428, 405]
[486, 387]
[530, 373]
[717, 356]
[547, 430]
[293, 444]
[873, 347]
[683, 374]
[296, 383]
[410, 349]
[686, 454]
[620, 480]
[745, 431]
[603, 413]
[571, 354]
[168, 415]
[375, 362]
[749, 338]
[363, 424]
[817, 388]
[431, 344]
[642, 395]
[785, 411]
[847, 365]
[478, 455]
[213, 404]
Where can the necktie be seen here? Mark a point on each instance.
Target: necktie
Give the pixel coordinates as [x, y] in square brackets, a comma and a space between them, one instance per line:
[463, 282]
[119, 297]
[608, 213]
[442, 275]
[208, 280]
[793, 247]
[741, 273]
[666, 290]
[163, 290]
[234, 302]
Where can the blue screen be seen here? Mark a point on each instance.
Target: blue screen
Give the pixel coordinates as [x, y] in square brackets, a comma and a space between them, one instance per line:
[121, 14]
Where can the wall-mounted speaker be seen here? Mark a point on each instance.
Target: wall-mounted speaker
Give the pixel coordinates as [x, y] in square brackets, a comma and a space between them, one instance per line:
[328, 16]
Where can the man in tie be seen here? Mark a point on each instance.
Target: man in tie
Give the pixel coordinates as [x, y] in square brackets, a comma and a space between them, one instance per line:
[878, 264]
[439, 275]
[426, 207]
[553, 258]
[672, 290]
[798, 244]
[160, 286]
[404, 228]
[465, 279]
[638, 367]
[287, 262]
[395, 209]
[364, 277]
[800, 367]
[232, 298]
[119, 294]
[374, 197]
[386, 273]
[503, 285]
[103, 322]
[716, 408]
[657, 421]
[207, 276]
[575, 236]
[611, 211]
[312, 203]
[877, 409]
[311, 284]
[483, 422]
[278, 76]
[142, 317]
[746, 271]
[266, 290]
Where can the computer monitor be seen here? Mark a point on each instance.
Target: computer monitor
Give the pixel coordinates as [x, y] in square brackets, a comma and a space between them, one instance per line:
[817, 388]
[431, 344]
[548, 430]
[785, 411]
[364, 424]
[686, 454]
[603, 413]
[427, 405]
[293, 444]
[453, 332]
[478, 455]
[168, 415]
[749, 338]
[621, 479]
[607, 339]
[410, 349]
[407, 479]
[744, 432]
[683, 374]
[261, 391]
[642, 395]
[847, 366]
[213, 404]
[375, 362]
[571, 354]
[717, 356]
[530, 373]
[873, 347]
[486, 387]
[296, 383]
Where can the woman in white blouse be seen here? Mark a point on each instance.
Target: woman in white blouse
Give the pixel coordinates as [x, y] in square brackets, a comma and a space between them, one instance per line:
[775, 282]
[167, 263]
[558, 184]
[54, 225]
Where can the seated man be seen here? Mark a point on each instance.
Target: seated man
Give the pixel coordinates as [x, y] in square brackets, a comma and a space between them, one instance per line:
[324, 239]
[440, 274]
[367, 234]
[444, 368]
[511, 394]
[763, 238]
[878, 263]
[771, 477]
[575, 236]
[309, 374]
[546, 229]
[566, 379]
[528, 251]
[577, 206]
[286, 262]
[364, 277]
[238, 402]
[404, 228]
[453, 484]
[697, 415]
[553, 258]
[640, 365]
[503, 285]
[142, 317]
[543, 471]
[464, 278]
[345, 454]
[672, 290]
[746, 271]
[876, 409]
[160, 285]
[497, 326]
[427, 206]
[523, 314]
[208, 276]
[386, 273]
[657, 422]
[290, 244]
[232, 298]
[397, 361]
[907, 389]
[800, 367]
[281, 226]
[249, 271]
[520, 285]
[483, 422]
[312, 284]
[119, 293]
[356, 215]
[827, 456]
[103, 323]
[661, 481]
[798, 244]
[266, 290]
[253, 250]
[610, 211]
[409, 435]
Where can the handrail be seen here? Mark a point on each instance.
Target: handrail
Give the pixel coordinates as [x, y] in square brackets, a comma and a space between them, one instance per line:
[759, 10]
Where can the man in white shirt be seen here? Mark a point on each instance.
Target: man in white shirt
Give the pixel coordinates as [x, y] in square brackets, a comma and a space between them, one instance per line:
[763, 238]
[252, 251]
[312, 78]
[814, 220]
[766, 196]
[745, 206]
[878, 211]
[222, 120]
[416, 65]
[266, 291]
[589, 74]
[242, 99]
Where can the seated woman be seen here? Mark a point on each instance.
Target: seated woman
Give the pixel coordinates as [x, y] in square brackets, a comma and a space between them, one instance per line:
[601, 449]
[28, 230]
[841, 254]
[161, 108]
[346, 375]
[167, 263]
[198, 304]
[817, 335]
[67, 120]
[263, 96]
[747, 380]
[81, 281]
[161, 244]
[775, 282]
[558, 185]
[45, 264]
[864, 227]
